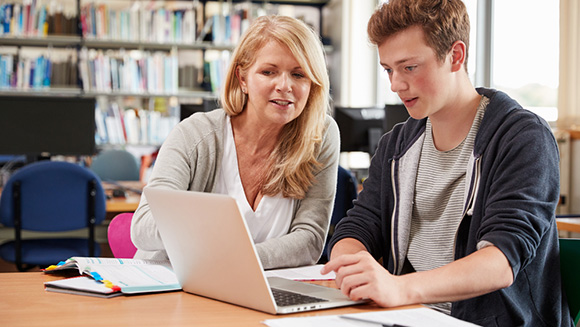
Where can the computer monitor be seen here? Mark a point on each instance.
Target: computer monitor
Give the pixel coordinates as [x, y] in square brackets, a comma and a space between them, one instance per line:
[394, 114]
[38, 126]
[187, 109]
[360, 128]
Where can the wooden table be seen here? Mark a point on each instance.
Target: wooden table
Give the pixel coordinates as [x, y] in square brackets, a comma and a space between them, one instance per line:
[129, 203]
[569, 224]
[24, 302]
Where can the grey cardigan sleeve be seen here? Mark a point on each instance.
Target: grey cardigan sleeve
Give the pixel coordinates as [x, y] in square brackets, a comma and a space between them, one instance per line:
[304, 243]
[186, 161]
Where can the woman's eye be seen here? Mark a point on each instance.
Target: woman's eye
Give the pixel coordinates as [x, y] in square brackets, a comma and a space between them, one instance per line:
[298, 75]
[267, 72]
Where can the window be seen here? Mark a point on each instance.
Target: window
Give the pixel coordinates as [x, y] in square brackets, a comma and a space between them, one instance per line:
[524, 58]
[525, 55]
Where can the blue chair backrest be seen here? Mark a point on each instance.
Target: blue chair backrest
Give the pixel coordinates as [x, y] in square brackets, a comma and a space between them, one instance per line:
[54, 197]
[346, 193]
[116, 165]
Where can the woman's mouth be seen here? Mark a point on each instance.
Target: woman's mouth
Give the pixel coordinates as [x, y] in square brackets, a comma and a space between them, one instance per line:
[281, 102]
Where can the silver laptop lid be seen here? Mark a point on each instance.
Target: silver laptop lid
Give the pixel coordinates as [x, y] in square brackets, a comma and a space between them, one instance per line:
[210, 248]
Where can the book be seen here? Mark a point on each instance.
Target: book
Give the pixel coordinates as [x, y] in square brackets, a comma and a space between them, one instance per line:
[109, 277]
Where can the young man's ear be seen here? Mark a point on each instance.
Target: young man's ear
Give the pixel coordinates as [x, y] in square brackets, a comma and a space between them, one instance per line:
[458, 55]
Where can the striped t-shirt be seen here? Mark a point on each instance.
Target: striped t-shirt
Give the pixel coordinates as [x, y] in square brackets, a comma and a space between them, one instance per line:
[438, 202]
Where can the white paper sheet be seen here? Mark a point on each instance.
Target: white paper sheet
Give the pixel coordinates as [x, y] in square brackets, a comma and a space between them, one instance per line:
[420, 317]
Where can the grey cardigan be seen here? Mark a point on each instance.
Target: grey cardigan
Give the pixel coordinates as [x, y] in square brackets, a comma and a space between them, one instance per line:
[190, 158]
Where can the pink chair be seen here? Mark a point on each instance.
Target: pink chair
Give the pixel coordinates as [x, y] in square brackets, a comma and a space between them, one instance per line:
[119, 235]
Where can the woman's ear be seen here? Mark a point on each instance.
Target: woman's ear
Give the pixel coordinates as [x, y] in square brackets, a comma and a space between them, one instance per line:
[241, 80]
[458, 55]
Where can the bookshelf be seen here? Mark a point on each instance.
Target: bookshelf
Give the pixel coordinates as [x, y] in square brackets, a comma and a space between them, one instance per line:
[141, 59]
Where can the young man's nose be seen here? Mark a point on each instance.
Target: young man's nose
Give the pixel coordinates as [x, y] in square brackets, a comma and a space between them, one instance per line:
[397, 83]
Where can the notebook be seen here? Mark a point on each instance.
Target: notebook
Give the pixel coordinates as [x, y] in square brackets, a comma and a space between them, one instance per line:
[213, 255]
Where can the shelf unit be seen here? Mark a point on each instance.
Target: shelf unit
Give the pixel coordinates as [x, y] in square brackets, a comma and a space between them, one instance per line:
[147, 98]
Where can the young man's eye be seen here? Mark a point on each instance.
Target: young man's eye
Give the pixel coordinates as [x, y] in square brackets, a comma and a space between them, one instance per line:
[388, 70]
[410, 68]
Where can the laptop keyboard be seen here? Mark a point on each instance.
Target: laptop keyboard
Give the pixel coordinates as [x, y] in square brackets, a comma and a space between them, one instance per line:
[286, 298]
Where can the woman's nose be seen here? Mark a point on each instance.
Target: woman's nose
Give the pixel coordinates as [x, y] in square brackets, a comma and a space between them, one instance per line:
[284, 83]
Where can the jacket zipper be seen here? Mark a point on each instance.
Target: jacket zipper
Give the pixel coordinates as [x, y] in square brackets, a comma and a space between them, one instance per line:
[395, 258]
[469, 208]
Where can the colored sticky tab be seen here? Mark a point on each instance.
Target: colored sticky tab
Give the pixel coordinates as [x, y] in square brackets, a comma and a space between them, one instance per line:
[53, 267]
[110, 285]
[96, 275]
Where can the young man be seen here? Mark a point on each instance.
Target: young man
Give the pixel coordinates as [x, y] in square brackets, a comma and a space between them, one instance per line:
[460, 200]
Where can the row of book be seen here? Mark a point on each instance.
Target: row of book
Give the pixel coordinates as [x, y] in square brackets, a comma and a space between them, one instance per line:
[139, 23]
[215, 68]
[114, 71]
[182, 25]
[36, 73]
[132, 125]
[180, 22]
[129, 71]
[152, 72]
[34, 18]
[144, 22]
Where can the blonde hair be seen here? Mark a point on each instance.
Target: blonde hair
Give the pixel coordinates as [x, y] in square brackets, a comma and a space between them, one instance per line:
[293, 161]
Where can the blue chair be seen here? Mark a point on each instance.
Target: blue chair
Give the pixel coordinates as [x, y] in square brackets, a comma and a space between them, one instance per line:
[116, 165]
[5, 158]
[346, 193]
[51, 197]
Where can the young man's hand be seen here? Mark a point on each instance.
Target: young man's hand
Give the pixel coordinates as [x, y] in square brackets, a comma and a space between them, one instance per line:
[360, 276]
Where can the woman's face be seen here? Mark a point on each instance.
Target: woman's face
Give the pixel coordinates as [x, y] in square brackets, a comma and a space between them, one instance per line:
[276, 85]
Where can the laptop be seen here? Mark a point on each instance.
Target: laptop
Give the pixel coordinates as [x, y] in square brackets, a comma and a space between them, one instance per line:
[213, 255]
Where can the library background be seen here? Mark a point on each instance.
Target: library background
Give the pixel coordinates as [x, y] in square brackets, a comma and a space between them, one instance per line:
[81, 80]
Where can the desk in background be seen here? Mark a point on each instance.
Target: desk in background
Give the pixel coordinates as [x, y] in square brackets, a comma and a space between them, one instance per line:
[129, 203]
[568, 223]
[26, 303]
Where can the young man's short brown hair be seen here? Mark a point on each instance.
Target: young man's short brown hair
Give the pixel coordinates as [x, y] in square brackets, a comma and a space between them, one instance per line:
[443, 22]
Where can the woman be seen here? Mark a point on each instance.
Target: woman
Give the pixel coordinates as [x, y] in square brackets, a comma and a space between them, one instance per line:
[272, 147]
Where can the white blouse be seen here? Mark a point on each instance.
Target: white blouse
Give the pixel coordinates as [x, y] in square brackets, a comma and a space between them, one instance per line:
[273, 215]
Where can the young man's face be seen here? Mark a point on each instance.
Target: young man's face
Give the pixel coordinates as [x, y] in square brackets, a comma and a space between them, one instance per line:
[421, 80]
